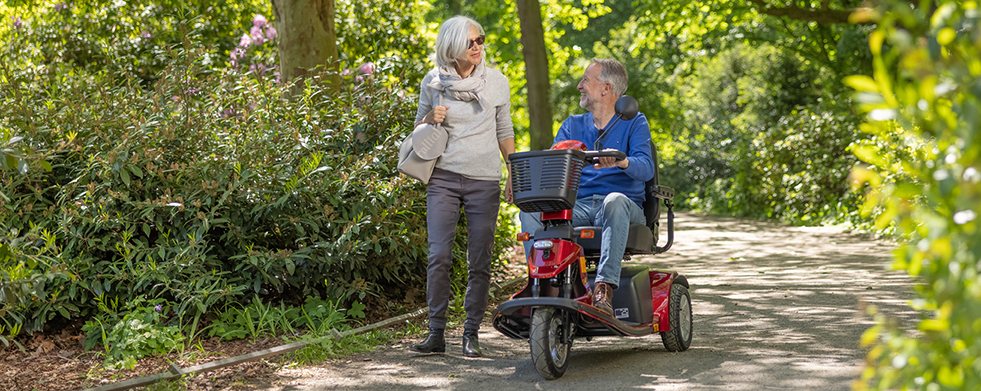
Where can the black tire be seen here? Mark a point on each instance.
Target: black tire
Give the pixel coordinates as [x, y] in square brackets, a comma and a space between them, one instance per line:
[550, 355]
[678, 338]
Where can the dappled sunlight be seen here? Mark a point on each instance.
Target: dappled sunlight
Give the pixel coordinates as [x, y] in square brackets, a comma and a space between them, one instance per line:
[775, 308]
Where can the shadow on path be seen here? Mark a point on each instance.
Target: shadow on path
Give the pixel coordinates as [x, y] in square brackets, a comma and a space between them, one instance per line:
[775, 307]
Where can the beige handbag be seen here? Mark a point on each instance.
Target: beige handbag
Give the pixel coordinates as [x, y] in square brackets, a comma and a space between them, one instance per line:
[421, 149]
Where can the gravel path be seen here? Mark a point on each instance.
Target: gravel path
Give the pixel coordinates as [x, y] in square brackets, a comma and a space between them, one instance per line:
[775, 307]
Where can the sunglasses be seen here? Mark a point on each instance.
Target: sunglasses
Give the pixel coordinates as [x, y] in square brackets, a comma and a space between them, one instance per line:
[478, 41]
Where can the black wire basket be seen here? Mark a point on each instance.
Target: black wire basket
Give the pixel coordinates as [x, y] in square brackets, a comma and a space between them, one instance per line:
[546, 181]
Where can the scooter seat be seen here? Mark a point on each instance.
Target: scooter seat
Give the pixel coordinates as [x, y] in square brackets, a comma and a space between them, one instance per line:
[640, 240]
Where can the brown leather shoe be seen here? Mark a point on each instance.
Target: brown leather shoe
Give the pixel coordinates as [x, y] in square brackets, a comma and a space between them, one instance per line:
[603, 297]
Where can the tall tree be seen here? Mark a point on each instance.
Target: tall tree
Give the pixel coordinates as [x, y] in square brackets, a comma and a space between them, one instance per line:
[536, 69]
[307, 38]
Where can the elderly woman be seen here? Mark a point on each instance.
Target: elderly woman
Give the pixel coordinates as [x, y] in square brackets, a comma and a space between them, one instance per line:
[472, 101]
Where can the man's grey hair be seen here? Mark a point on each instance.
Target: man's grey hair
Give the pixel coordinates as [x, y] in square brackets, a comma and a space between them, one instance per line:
[613, 72]
[452, 40]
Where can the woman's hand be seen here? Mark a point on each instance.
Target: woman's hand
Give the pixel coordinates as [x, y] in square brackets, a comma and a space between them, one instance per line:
[436, 115]
[508, 191]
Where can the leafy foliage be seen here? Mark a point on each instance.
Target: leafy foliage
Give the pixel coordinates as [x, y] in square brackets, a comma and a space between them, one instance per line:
[759, 136]
[198, 183]
[135, 333]
[924, 105]
[129, 39]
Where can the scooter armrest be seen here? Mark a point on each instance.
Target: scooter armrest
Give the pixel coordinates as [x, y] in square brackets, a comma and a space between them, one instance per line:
[663, 192]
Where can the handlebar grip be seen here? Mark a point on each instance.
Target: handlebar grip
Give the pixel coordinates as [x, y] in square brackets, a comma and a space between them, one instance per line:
[593, 156]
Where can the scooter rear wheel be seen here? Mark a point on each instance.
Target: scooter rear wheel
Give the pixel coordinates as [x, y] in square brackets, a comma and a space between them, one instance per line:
[678, 338]
[548, 352]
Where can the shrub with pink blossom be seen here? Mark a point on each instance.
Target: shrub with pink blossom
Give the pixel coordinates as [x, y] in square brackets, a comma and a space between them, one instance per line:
[256, 53]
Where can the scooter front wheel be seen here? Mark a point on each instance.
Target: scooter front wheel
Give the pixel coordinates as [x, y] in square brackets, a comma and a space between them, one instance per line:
[678, 338]
[548, 352]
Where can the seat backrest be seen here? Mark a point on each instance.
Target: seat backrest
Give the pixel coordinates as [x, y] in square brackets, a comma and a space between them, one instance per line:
[652, 208]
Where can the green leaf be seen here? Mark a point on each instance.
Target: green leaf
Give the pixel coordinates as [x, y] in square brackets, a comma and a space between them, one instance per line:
[8, 294]
[870, 154]
[125, 176]
[5, 252]
[135, 170]
[861, 83]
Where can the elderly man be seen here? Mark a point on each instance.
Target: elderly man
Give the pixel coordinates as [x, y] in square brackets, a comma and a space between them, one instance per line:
[611, 192]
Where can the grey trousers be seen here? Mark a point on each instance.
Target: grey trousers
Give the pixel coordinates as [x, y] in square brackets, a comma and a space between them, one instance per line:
[480, 200]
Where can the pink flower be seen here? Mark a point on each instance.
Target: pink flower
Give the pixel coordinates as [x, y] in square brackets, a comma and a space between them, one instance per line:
[271, 33]
[346, 72]
[238, 53]
[258, 21]
[245, 41]
[257, 37]
[359, 79]
[16, 21]
[368, 68]
[146, 35]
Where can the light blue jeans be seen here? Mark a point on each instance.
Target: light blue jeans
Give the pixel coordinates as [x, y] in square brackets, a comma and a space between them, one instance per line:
[614, 212]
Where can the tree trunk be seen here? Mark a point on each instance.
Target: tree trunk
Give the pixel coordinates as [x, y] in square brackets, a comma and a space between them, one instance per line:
[536, 74]
[307, 39]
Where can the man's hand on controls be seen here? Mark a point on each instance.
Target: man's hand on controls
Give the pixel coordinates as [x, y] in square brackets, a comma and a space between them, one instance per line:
[606, 162]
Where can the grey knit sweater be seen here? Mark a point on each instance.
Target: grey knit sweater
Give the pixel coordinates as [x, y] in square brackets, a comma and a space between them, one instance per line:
[472, 148]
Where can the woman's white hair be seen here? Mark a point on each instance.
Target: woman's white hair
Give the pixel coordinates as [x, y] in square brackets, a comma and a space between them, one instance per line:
[453, 39]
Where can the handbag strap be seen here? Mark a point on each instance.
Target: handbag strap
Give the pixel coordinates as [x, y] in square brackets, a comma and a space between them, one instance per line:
[439, 97]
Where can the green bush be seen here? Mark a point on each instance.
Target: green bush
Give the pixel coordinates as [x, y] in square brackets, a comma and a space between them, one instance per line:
[764, 136]
[211, 185]
[924, 106]
[204, 188]
[124, 38]
[137, 331]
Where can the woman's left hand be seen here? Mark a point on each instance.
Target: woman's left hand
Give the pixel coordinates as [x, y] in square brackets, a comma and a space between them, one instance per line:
[508, 195]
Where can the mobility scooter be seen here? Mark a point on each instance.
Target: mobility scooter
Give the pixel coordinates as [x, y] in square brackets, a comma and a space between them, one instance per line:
[555, 307]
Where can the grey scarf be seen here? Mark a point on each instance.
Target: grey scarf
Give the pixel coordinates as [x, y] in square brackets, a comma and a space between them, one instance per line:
[469, 89]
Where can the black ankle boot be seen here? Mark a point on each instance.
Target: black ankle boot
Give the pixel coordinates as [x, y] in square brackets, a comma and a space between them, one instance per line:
[434, 343]
[471, 347]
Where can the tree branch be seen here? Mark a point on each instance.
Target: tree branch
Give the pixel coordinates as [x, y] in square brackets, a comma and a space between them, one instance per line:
[823, 15]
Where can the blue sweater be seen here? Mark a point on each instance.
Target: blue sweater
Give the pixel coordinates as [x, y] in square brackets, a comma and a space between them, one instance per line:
[632, 137]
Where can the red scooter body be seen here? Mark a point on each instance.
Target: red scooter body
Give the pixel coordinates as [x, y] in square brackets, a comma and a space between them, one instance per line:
[565, 261]
[556, 304]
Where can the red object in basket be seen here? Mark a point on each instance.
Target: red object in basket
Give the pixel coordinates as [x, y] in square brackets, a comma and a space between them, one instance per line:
[570, 144]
